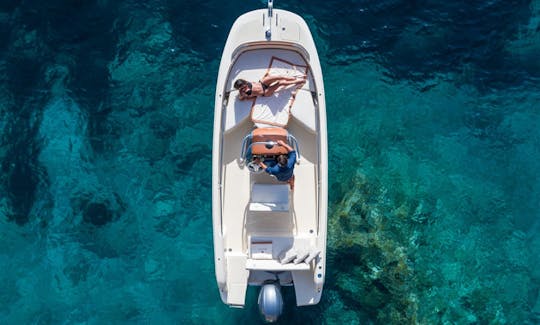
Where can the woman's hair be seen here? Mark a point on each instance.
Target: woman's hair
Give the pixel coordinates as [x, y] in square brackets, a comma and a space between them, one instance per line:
[240, 83]
[282, 160]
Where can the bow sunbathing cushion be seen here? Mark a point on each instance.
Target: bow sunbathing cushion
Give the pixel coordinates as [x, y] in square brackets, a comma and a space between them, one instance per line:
[275, 110]
[268, 135]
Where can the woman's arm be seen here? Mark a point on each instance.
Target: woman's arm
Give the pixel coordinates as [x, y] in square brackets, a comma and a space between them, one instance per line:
[241, 96]
[244, 97]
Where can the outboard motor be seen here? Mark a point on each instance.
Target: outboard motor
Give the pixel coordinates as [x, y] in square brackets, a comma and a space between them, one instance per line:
[270, 301]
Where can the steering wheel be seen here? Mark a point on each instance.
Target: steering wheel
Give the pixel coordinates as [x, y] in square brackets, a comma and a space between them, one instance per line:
[254, 167]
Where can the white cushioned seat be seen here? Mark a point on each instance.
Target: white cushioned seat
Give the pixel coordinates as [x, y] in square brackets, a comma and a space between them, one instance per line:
[269, 197]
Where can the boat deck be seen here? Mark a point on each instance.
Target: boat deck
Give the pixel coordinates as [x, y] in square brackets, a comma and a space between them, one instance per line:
[262, 230]
[238, 221]
[253, 66]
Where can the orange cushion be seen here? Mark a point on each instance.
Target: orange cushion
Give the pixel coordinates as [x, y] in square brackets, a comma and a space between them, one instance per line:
[267, 135]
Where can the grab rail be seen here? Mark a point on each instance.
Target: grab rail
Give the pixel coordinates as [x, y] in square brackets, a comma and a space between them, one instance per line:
[246, 148]
[296, 147]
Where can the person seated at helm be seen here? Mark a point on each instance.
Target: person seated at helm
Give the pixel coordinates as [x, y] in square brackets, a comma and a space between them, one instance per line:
[264, 87]
[284, 169]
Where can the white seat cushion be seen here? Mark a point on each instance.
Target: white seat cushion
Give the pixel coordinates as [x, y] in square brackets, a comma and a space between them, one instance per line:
[275, 110]
[304, 110]
[269, 197]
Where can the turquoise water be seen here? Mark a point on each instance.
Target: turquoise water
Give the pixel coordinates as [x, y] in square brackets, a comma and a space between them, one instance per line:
[106, 126]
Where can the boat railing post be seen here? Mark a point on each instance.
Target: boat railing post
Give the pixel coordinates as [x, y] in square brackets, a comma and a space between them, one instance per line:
[244, 147]
[268, 31]
[270, 7]
[293, 141]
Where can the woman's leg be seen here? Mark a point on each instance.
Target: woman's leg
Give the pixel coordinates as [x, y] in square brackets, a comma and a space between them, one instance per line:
[282, 83]
[271, 89]
[273, 78]
[295, 81]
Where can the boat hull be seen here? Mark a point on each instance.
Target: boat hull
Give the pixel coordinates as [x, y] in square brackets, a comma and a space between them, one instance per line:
[242, 233]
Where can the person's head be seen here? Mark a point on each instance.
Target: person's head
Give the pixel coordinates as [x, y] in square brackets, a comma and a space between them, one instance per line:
[282, 160]
[240, 83]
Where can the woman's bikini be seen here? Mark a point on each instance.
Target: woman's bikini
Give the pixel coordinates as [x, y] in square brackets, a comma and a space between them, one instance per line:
[264, 87]
[250, 88]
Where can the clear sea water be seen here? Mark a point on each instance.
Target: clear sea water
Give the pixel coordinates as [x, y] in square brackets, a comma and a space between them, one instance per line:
[106, 112]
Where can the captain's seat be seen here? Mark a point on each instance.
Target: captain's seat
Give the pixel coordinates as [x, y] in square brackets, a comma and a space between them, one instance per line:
[262, 142]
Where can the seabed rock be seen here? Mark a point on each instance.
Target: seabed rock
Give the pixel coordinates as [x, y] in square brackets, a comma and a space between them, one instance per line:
[373, 269]
[98, 208]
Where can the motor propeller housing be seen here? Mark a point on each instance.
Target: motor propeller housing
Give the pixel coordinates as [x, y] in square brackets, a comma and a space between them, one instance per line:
[270, 301]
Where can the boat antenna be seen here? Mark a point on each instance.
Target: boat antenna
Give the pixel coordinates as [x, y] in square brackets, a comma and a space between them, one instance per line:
[268, 32]
[270, 7]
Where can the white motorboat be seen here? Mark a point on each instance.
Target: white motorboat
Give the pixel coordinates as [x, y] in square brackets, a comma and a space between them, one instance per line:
[265, 233]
